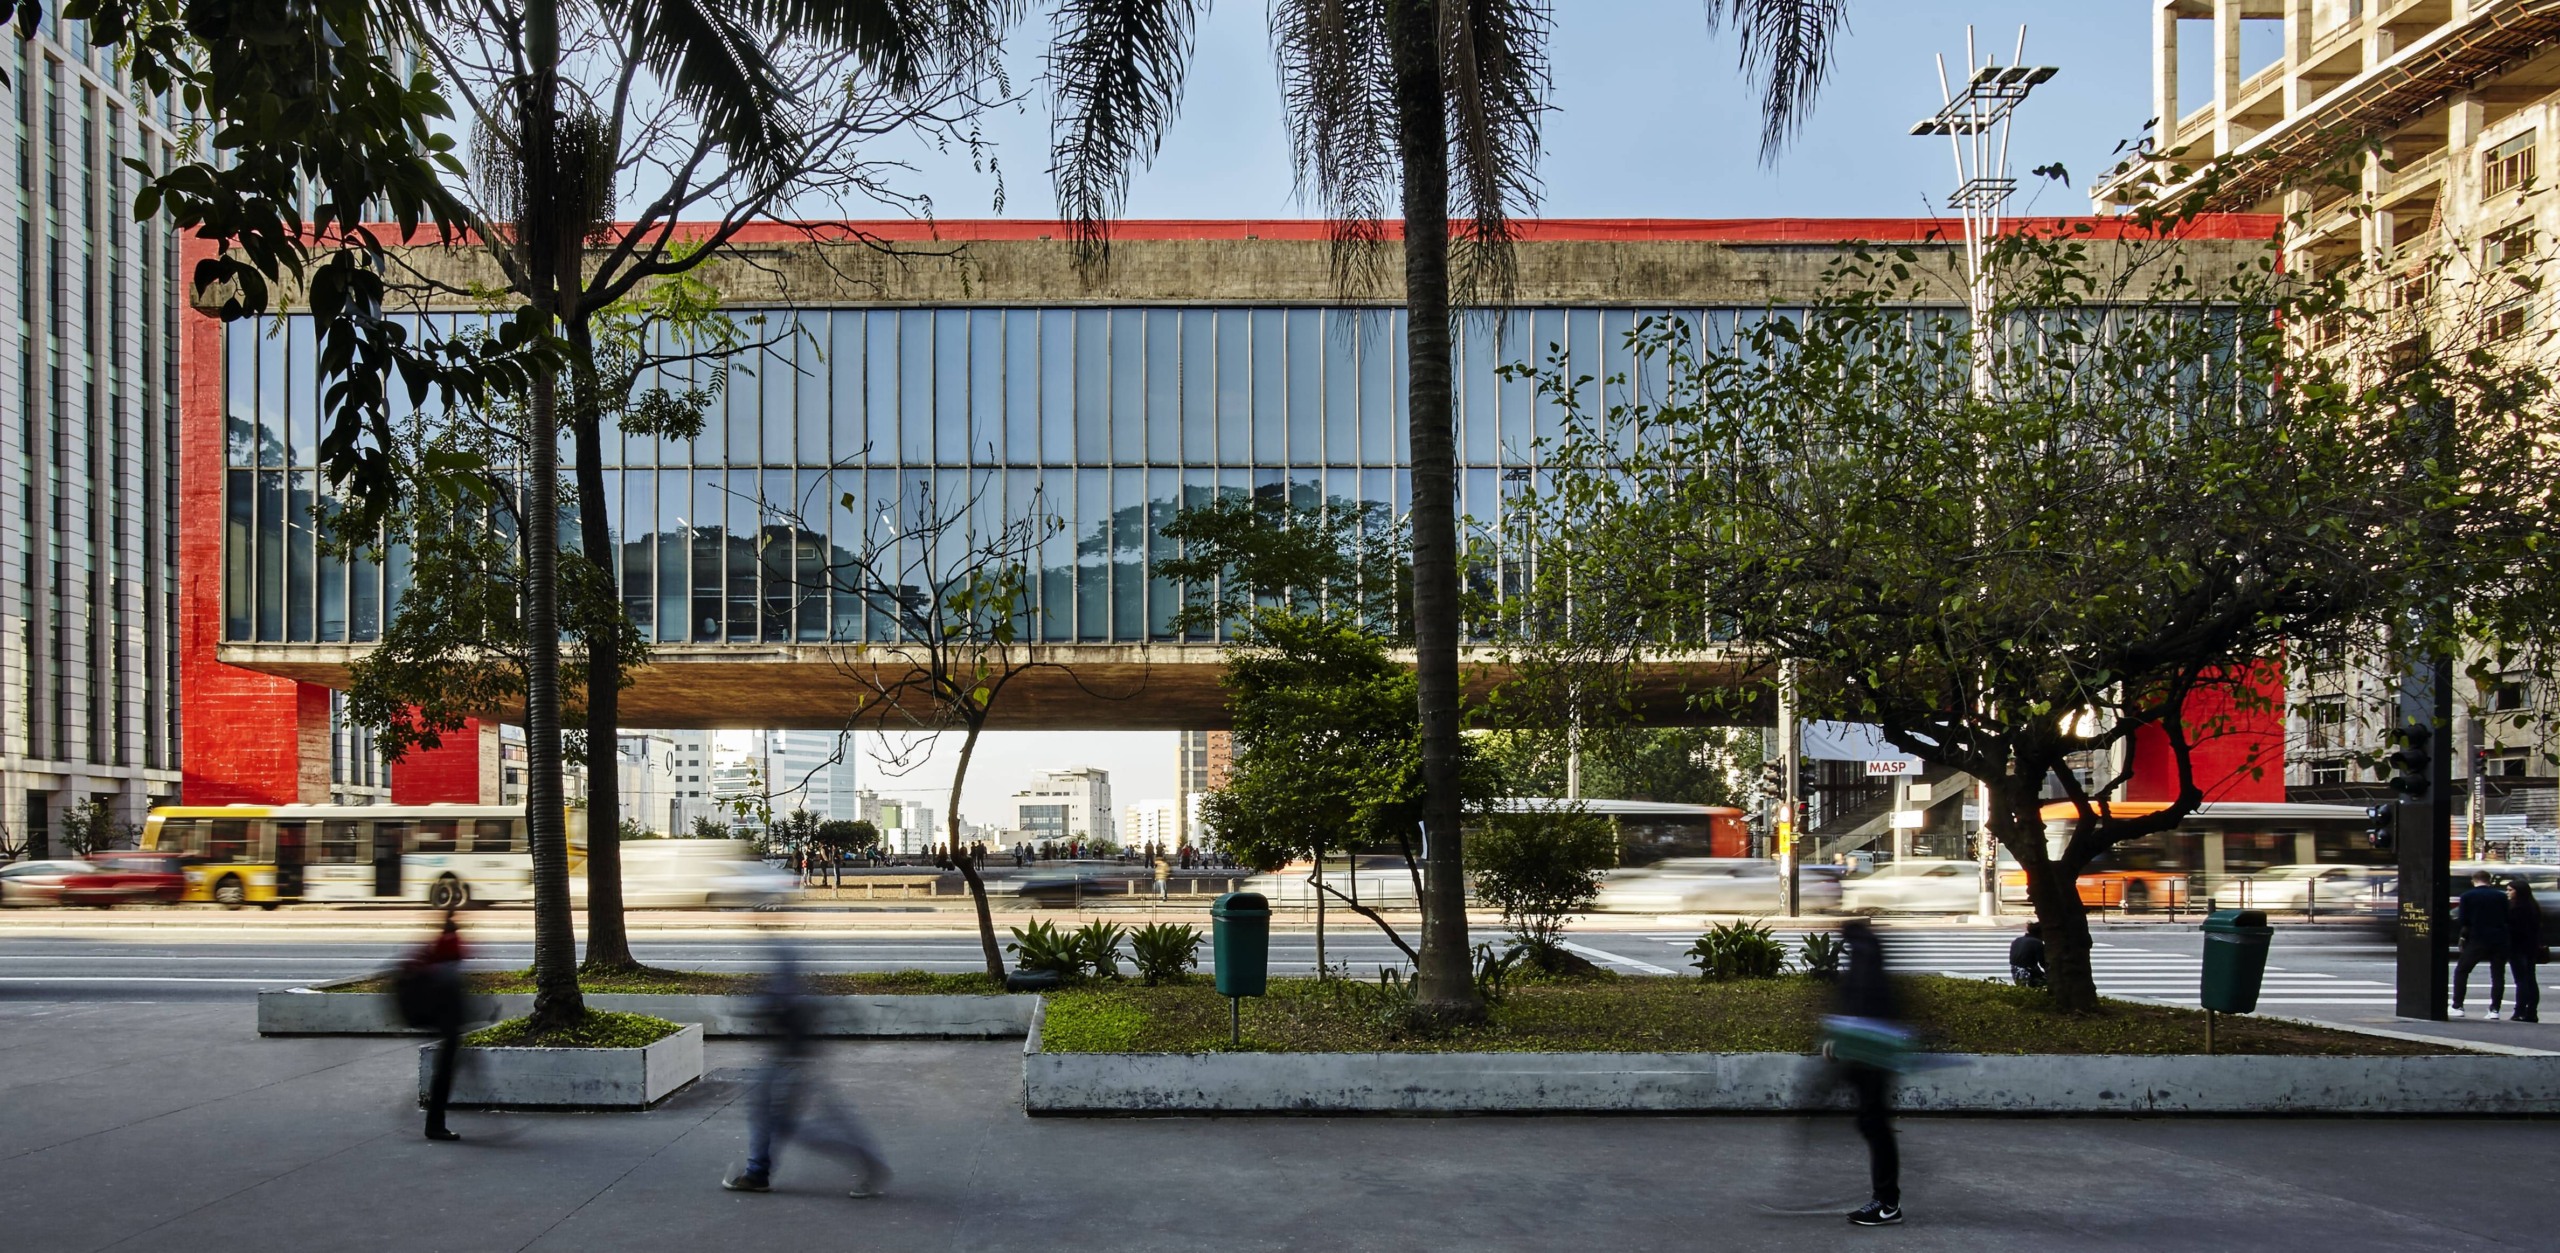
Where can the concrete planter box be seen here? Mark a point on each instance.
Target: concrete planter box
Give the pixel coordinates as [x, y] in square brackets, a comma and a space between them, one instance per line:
[527, 1078]
[1696, 1083]
[305, 1011]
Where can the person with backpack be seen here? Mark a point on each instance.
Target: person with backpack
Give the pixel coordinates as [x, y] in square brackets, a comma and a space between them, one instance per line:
[2481, 916]
[430, 994]
[2026, 957]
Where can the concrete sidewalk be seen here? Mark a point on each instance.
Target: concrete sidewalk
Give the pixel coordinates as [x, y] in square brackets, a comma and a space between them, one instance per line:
[173, 1127]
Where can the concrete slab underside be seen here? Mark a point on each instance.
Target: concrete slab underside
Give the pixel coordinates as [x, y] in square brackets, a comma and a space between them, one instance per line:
[1074, 687]
[175, 1127]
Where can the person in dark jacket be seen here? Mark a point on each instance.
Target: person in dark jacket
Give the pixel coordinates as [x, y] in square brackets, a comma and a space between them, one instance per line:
[437, 969]
[2026, 957]
[1866, 1005]
[2481, 921]
[2524, 948]
[788, 1104]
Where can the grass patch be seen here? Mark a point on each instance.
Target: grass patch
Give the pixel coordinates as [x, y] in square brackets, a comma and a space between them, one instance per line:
[602, 1029]
[649, 981]
[1656, 1014]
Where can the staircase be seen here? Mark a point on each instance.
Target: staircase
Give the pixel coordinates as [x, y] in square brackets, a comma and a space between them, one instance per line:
[1861, 826]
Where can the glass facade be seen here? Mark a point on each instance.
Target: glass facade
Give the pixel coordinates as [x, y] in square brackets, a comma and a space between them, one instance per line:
[1112, 420]
[88, 434]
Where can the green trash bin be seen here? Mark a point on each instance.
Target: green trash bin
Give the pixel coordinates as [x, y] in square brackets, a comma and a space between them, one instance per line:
[1240, 939]
[2235, 959]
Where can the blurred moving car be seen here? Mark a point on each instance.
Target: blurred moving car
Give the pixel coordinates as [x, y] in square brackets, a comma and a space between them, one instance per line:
[39, 882]
[2293, 889]
[694, 874]
[1715, 885]
[127, 878]
[1916, 886]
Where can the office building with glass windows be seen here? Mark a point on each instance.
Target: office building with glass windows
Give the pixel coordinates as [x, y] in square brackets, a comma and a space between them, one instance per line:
[89, 413]
[932, 368]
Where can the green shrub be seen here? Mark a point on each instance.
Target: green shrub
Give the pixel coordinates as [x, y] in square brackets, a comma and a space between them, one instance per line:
[1738, 950]
[1164, 950]
[1493, 970]
[1820, 954]
[1041, 946]
[601, 1029]
[1097, 947]
[1538, 867]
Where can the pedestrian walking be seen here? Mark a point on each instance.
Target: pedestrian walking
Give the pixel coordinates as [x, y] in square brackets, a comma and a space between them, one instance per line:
[2481, 919]
[428, 988]
[1865, 1041]
[786, 1104]
[2026, 957]
[2524, 948]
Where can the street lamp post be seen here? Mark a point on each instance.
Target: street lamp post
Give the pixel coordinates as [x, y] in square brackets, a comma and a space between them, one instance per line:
[1975, 121]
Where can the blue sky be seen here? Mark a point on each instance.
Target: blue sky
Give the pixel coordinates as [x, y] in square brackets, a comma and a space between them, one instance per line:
[1651, 118]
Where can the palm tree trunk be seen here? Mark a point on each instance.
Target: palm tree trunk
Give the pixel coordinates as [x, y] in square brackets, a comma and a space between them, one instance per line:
[968, 865]
[608, 944]
[556, 1001]
[1444, 982]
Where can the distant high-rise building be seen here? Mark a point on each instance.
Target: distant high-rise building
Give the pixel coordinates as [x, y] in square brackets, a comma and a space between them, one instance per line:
[1204, 761]
[1156, 824]
[1066, 805]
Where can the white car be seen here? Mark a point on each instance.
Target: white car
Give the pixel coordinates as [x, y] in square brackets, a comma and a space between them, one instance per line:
[2290, 889]
[1919, 886]
[38, 882]
[1715, 885]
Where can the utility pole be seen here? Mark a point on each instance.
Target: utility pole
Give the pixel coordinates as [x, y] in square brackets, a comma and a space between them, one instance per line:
[1791, 788]
[2422, 830]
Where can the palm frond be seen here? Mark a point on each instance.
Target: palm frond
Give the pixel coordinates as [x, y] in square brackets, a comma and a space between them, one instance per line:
[712, 56]
[1494, 70]
[1337, 96]
[1786, 47]
[1115, 78]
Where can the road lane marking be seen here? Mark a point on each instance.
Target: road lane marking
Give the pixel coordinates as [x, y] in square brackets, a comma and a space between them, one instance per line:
[1588, 951]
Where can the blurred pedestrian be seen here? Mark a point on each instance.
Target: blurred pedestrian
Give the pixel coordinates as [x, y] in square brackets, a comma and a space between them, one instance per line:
[1164, 874]
[428, 987]
[786, 1102]
[2524, 948]
[2481, 921]
[2026, 957]
[1866, 1042]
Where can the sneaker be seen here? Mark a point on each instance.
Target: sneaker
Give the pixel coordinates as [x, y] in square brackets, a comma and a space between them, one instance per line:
[440, 1133]
[2493, 1015]
[744, 1182]
[2457, 1011]
[870, 1185]
[1876, 1214]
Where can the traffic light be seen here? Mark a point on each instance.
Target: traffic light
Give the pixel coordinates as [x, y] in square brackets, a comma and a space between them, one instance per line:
[2377, 824]
[2413, 762]
[1773, 778]
[1808, 773]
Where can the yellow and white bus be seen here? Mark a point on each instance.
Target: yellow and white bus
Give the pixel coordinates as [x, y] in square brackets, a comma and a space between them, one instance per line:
[266, 855]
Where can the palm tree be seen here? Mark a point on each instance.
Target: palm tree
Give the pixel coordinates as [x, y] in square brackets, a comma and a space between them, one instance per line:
[1437, 104]
[555, 152]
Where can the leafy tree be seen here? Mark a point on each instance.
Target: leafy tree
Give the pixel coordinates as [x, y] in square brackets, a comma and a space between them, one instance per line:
[1328, 750]
[720, 115]
[1537, 866]
[1429, 111]
[946, 587]
[1341, 557]
[90, 827]
[2158, 489]
[711, 829]
[848, 835]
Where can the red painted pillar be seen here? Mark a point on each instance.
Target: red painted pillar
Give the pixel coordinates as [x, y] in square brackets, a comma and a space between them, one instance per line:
[247, 737]
[460, 771]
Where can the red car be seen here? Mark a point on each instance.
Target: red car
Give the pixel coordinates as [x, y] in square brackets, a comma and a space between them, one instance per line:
[125, 878]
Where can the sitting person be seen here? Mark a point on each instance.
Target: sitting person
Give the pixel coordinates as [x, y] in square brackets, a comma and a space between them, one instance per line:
[2026, 957]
